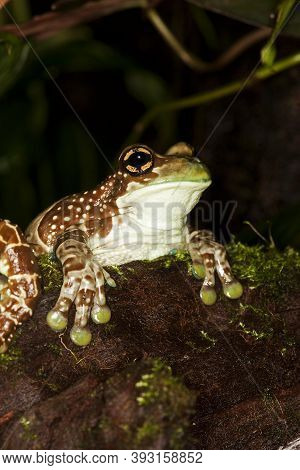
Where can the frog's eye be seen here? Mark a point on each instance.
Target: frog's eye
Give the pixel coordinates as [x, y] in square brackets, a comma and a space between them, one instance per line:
[137, 160]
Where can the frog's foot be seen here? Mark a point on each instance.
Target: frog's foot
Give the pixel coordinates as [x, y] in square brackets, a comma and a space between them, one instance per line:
[207, 256]
[83, 285]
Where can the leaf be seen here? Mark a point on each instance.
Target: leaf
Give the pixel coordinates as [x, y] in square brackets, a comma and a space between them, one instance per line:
[13, 56]
[146, 87]
[284, 10]
[255, 12]
[75, 50]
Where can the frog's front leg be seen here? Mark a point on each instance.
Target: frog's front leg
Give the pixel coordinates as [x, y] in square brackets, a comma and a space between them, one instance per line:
[83, 284]
[209, 256]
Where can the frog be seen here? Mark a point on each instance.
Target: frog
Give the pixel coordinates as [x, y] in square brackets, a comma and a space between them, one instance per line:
[139, 212]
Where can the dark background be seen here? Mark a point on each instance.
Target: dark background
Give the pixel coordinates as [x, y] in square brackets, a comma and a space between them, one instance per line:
[113, 69]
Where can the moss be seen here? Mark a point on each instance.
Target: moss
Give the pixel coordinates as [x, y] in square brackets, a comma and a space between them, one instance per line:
[130, 269]
[204, 344]
[147, 432]
[53, 387]
[118, 270]
[41, 372]
[43, 375]
[276, 271]
[109, 328]
[276, 274]
[175, 257]
[167, 402]
[259, 323]
[210, 342]
[169, 260]
[104, 424]
[13, 355]
[26, 425]
[51, 272]
[55, 348]
[254, 321]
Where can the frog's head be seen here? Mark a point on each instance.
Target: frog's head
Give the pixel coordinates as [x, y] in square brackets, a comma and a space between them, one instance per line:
[154, 182]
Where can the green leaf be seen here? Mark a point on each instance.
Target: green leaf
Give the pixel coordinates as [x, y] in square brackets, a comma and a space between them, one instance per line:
[75, 50]
[13, 56]
[284, 12]
[146, 87]
[255, 12]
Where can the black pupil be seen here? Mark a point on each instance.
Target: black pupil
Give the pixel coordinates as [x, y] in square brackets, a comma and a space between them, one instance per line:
[138, 159]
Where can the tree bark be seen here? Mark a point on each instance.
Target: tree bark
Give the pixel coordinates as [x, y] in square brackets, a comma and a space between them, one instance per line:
[227, 388]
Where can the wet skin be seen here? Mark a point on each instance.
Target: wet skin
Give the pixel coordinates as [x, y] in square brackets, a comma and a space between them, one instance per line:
[137, 213]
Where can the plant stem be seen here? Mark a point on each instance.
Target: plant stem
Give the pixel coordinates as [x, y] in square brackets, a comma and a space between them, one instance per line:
[196, 63]
[49, 23]
[186, 56]
[200, 98]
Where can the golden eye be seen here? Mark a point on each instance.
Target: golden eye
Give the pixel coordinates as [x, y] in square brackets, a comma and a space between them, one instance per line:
[138, 160]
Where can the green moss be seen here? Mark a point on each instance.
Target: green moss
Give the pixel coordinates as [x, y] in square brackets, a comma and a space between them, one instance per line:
[147, 432]
[130, 269]
[117, 269]
[51, 272]
[41, 372]
[175, 257]
[43, 375]
[150, 384]
[55, 348]
[206, 342]
[277, 274]
[258, 323]
[254, 321]
[210, 342]
[160, 390]
[13, 355]
[104, 424]
[109, 328]
[53, 387]
[26, 425]
[276, 271]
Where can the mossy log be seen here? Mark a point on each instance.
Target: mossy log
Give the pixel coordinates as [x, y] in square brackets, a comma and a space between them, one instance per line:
[167, 371]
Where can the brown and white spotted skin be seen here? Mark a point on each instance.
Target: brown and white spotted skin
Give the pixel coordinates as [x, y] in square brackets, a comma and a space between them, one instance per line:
[139, 212]
[19, 281]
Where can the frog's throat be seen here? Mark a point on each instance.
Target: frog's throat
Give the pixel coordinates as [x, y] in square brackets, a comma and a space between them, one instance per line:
[163, 189]
[163, 205]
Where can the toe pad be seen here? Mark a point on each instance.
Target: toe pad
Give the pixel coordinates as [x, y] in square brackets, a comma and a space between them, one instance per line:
[208, 295]
[56, 320]
[233, 290]
[80, 336]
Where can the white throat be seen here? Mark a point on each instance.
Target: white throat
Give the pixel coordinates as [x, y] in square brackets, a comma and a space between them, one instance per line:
[163, 206]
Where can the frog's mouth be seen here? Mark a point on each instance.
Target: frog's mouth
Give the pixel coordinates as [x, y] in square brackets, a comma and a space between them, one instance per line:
[199, 184]
[184, 171]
